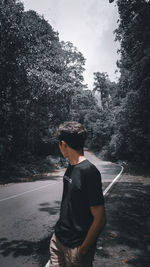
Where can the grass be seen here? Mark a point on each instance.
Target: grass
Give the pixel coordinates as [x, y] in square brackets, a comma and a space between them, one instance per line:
[35, 169]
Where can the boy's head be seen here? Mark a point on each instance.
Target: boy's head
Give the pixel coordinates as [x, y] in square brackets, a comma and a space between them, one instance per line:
[73, 133]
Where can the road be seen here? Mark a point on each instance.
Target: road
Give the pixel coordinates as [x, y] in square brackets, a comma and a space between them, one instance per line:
[30, 210]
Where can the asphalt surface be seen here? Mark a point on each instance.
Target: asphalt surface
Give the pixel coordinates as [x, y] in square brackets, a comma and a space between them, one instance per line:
[125, 240]
[29, 212]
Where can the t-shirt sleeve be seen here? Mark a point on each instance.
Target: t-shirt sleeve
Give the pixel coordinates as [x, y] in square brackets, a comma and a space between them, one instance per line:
[94, 187]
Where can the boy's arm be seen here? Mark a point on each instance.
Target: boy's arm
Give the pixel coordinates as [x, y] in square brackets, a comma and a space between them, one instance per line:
[99, 221]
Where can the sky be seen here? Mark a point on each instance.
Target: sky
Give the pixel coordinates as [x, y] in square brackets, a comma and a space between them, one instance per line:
[89, 25]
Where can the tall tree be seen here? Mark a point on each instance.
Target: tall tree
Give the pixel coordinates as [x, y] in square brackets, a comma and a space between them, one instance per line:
[39, 76]
[105, 88]
[134, 35]
[12, 75]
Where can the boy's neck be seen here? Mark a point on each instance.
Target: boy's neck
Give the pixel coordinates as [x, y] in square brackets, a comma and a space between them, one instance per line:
[76, 157]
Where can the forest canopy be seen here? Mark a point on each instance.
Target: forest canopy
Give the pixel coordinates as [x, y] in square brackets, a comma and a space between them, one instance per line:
[130, 109]
[42, 85]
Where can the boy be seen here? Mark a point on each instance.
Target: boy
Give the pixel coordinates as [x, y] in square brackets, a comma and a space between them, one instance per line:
[82, 213]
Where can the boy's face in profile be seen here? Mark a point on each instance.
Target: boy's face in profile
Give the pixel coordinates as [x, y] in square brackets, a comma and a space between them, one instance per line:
[63, 148]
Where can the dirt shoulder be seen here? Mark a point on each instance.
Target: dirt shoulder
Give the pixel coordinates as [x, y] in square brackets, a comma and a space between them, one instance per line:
[126, 238]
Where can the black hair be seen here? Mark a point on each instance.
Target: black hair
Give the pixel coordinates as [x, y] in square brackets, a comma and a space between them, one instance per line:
[73, 133]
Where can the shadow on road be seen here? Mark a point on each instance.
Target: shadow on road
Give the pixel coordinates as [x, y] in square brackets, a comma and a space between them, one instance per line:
[52, 209]
[127, 234]
[38, 250]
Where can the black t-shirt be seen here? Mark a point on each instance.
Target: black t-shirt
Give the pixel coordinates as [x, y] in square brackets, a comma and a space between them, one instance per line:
[82, 189]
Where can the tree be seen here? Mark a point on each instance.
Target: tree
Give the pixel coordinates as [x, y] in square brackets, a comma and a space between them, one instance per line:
[100, 85]
[133, 114]
[105, 88]
[82, 102]
[39, 77]
[13, 77]
[73, 63]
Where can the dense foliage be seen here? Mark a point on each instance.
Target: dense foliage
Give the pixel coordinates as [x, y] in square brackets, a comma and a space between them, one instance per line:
[101, 120]
[128, 115]
[42, 85]
[39, 78]
[133, 116]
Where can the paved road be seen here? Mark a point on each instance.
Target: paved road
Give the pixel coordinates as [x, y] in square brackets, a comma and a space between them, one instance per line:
[29, 212]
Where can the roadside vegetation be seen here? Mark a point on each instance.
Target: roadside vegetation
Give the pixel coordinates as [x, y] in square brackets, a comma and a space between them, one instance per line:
[42, 85]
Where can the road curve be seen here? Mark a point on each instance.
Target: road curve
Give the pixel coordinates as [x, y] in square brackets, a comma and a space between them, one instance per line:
[110, 172]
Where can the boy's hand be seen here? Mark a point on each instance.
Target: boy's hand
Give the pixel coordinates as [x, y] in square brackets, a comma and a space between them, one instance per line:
[99, 220]
[82, 252]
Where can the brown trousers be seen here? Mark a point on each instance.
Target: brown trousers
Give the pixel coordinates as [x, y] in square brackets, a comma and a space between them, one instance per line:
[62, 256]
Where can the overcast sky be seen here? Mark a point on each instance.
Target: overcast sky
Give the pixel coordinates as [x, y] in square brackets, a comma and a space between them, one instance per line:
[89, 25]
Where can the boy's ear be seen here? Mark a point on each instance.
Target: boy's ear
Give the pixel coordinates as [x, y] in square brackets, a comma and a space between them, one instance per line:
[63, 143]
